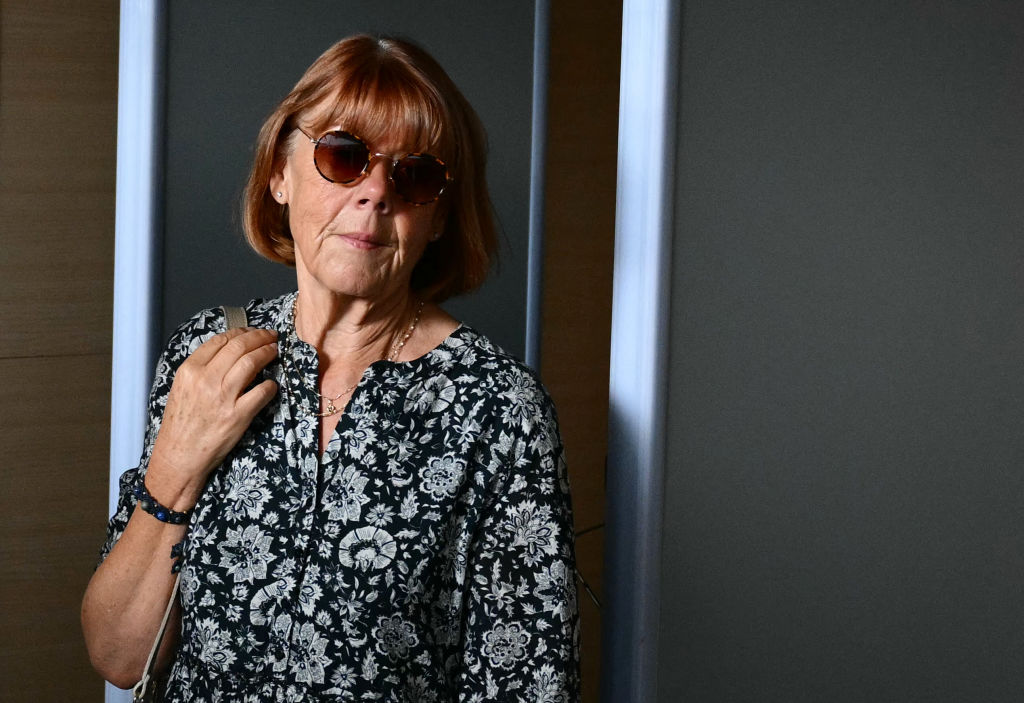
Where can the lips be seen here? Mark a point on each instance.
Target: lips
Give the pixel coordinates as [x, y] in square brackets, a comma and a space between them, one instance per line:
[362, 240]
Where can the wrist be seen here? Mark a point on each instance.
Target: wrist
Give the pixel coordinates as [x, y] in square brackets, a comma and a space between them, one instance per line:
[154, 507]
[172, 484]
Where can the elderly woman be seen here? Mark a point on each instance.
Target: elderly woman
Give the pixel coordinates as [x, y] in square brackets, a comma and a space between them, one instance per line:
[365, 498]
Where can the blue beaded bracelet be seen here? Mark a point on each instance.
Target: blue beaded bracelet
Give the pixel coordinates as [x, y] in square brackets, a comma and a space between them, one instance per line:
[177, 552]
[150, 505]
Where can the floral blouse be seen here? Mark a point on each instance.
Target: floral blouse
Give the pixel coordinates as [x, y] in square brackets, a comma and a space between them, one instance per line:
[426, 557]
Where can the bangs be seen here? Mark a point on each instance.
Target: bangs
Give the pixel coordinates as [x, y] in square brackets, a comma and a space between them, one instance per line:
[390, 107]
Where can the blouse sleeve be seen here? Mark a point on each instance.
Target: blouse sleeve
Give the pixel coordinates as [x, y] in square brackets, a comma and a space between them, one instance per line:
[521, 640]
[182, 343]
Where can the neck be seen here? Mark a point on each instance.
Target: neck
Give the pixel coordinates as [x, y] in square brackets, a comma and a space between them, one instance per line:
[350, 330]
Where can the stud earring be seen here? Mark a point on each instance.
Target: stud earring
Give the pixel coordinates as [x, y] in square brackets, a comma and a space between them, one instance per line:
[279, 194]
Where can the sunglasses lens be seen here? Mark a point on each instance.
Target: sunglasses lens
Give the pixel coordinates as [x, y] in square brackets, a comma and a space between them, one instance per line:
[419, 178]
[340, 157]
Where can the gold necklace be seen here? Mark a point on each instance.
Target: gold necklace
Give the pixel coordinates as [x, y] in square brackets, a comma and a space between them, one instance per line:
[396, 349]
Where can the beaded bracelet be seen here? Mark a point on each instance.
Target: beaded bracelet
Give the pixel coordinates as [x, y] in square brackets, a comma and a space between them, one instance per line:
[177, 552]
[150, 505]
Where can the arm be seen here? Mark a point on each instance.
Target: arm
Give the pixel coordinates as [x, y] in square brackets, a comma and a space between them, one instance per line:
[197, 413]
[522, 626]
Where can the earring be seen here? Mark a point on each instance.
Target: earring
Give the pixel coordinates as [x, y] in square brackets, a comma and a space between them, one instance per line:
[279, 194]
[437, 235]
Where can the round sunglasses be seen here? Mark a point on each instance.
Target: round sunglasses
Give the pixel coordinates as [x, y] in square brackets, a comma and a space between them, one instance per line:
[342, 157]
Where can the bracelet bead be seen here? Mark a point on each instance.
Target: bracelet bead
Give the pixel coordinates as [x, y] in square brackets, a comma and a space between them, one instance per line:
[150, 505]
[177, 552]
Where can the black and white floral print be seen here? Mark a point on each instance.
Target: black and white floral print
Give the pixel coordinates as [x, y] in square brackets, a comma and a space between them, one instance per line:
[426, 557]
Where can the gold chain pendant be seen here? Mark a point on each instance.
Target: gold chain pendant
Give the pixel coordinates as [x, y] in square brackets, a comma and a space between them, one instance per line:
[331, 409]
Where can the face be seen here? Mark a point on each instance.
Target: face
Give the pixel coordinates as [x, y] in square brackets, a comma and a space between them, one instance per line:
[359, 239]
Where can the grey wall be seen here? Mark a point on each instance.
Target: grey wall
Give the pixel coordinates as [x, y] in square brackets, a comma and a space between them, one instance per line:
[229, 63]
[846, 427]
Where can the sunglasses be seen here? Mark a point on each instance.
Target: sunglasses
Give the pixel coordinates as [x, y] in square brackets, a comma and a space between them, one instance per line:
[342, 157]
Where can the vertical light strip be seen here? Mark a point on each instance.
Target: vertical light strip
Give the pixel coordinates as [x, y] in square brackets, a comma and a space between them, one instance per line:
[135, 231]
[538, 151]
[140, 58]
[639, 353]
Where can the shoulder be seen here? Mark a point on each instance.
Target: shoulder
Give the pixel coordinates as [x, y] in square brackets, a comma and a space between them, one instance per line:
[473, 352]
[270, 313]
[522, 426]
[510, 387]
[206, 323]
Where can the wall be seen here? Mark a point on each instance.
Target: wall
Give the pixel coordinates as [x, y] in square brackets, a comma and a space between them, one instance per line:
[843, 489]
[58, 110]
[225, 72]
[579, 236]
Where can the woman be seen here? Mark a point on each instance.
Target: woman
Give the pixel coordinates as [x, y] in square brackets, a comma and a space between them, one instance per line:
[366, 499]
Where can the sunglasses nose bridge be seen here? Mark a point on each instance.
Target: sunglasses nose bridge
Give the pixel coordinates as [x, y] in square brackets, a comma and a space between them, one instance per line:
[389, 166]
[388, 181]
[388, 159]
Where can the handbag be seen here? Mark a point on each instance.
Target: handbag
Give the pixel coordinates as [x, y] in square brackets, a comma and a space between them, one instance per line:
[148, 689]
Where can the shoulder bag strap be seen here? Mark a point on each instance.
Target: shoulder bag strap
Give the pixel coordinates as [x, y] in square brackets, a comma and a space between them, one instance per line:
[234, 317]
[146, 687]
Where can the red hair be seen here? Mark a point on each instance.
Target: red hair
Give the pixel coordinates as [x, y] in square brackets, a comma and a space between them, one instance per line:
[385, 90]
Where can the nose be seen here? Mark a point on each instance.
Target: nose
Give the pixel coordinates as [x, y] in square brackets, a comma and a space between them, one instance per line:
[375, 185]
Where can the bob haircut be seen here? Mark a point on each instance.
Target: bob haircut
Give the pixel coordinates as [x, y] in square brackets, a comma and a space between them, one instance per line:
[385, 89]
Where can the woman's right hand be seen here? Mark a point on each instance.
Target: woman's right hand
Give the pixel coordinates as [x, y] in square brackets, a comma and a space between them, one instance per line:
[207, 412]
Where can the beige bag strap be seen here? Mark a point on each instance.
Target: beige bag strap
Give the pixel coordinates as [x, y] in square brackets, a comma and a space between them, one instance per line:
[234, 317]
[142, 692]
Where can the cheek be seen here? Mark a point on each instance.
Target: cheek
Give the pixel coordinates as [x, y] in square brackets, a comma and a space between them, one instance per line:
[440, 215]
[313, 207]
[431, 218]
[420, 231]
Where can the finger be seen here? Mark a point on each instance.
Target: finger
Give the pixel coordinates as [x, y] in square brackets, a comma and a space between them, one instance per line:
[251, 402]
[237, 346]
[208, 349]
[247, 366]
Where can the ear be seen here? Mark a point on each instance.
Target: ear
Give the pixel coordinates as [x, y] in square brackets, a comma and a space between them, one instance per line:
[278, 184]
[279, 181]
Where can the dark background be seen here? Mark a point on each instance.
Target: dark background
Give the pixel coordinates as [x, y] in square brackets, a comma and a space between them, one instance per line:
[226, 70]
[846, 445]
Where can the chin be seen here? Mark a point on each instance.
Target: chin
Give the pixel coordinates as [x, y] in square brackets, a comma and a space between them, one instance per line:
[368, 290]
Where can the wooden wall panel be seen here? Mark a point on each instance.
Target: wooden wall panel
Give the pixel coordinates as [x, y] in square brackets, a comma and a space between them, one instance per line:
[57, 273]
[55, 433]
[58, 127]
[58, 112]
[578, 262]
